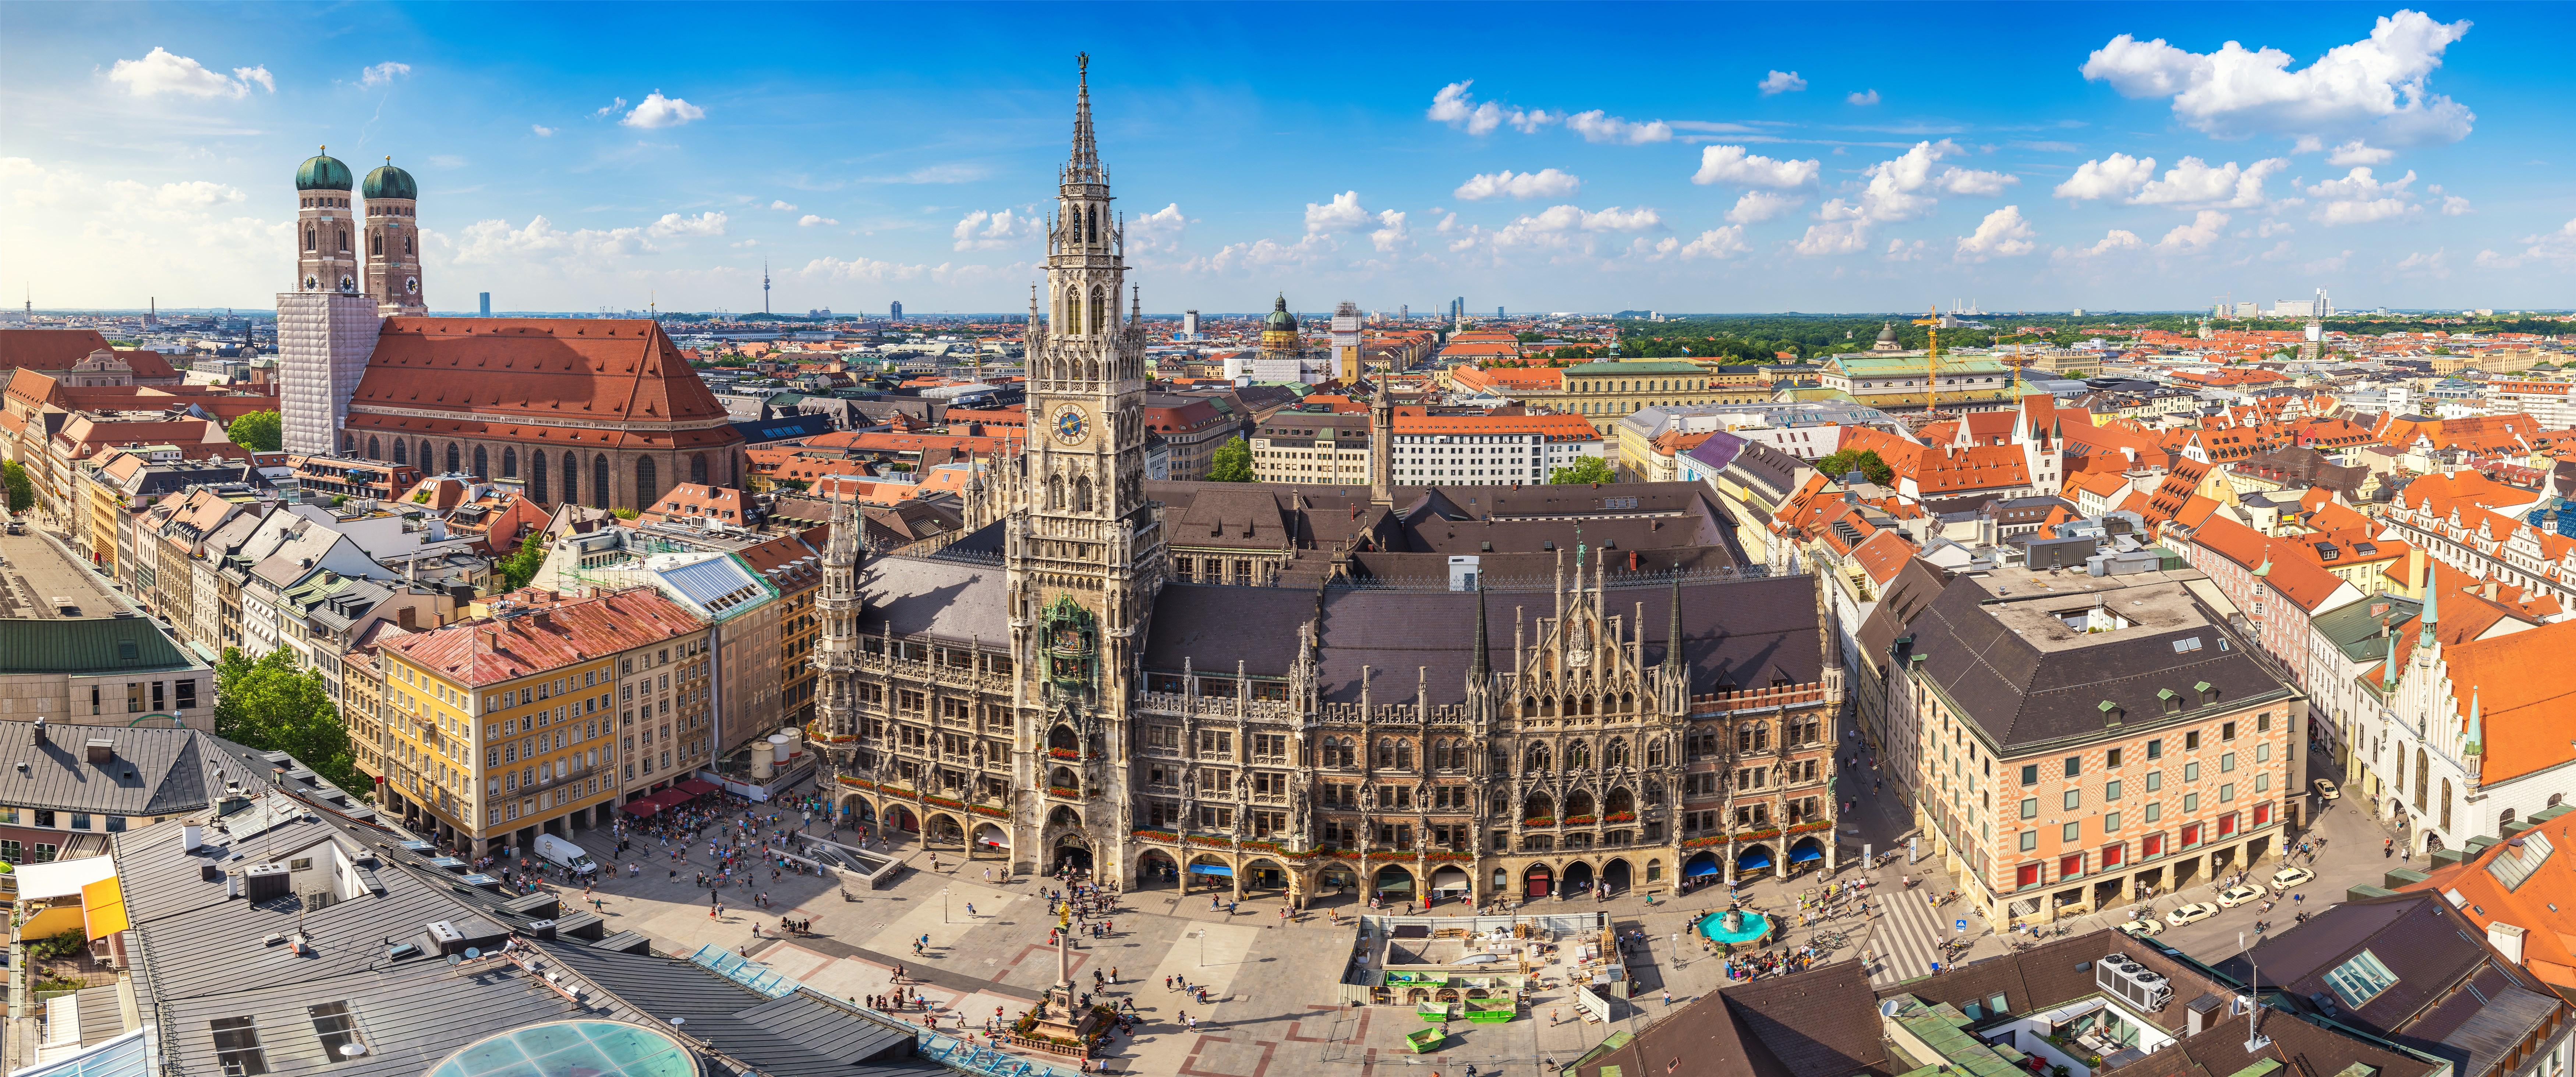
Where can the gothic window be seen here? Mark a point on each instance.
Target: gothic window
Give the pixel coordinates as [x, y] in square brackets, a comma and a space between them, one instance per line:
[308, 237]
[1091, 369]
[454, 462]
[509, 462]
[536, 473]
[1547, 707]
[572, 479]
[1529, 706]
[698, 468]
[2446, 803]
[2420, 780]
[1627, 702]
[1091, 234]
[1072, 311]
[1082, 494]
[1404, 761]
[401, 452]
[1578, 756]
[1055, 492]
[1656, 752]
[376, 451]
[407, 245]
[1587, 706]
[599, 486]
[1385, 753]
[344, 240]
[482, 464]
[376, 243]
[648, 481]
[1616, 755]
[1099, 317]
[1537, 758]
[426, 460]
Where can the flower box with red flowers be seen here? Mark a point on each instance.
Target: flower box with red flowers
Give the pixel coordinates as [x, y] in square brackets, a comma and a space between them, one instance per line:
[1154, 835]
[988, 810]
[942, 802]
[1211, 841]
[1620, 817]
[858, 783]
[1066, 792]
[1581, 820]
[1064, 753]
[1540, 821]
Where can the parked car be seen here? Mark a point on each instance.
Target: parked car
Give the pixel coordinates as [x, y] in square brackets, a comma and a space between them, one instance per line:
[2327, 790]
[2287, 878]
[2143, 927]
[2191, 914]
[2239, 894]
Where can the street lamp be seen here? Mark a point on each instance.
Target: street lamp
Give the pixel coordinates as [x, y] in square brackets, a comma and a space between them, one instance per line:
[943, 904]
[1202, 934]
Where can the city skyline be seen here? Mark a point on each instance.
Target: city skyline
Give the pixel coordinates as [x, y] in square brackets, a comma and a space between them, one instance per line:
[2104, 158]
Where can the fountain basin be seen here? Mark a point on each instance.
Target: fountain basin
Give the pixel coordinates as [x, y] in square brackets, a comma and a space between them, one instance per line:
[1753, 926]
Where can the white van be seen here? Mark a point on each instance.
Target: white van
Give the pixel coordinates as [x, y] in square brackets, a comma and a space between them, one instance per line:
[565, 854]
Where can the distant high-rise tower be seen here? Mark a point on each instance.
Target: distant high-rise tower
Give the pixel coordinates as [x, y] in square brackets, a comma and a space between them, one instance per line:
[764, 286]
[152, 312]
[326, 327]
[894, 312]
[1346, 342]
[1190, 324]
[1404, 312]
[393, 240]
[487, 304]
[1498, 312]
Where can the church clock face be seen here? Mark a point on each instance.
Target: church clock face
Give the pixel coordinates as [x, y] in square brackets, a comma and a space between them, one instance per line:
[411, 285]
[1070, 426]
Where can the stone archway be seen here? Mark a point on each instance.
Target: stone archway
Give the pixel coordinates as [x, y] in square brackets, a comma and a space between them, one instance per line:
[1753, 860]
[1616, 877]
[1155, 869]
[1210, 869]
[1806, 851]
[1393, 883]
[1337, 882]
[1450, 882]
[900, 818]
[1264, 874]
[856, 809]
[1578, 878]
[943, 830]
[990, 840]
[1070, 851]
[1537, 881]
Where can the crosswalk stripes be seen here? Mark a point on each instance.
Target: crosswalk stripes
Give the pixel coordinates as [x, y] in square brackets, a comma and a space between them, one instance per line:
[1906, 939]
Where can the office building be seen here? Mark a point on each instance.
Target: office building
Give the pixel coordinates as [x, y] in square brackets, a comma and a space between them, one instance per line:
[487, 304]
[894, 312]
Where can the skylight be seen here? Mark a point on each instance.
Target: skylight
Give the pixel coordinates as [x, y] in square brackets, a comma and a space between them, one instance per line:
[2521, 857]
[2360, 980]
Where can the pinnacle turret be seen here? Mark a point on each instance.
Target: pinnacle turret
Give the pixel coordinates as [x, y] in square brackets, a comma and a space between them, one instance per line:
[1084, 167]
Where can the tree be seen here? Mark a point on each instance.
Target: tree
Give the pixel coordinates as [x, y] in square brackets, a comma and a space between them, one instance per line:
[1865, 461]
[522, 564]
[22, 493]
[259, 431]
[1232, 462]
[273, 706]
[1586, 470]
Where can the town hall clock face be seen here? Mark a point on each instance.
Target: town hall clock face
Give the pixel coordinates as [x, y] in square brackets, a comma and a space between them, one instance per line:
[1070, 425]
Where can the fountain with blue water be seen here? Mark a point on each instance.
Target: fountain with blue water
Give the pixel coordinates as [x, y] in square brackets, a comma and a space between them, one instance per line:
[1734, 926]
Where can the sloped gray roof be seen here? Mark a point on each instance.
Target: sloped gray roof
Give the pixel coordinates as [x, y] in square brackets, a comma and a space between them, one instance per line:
[153, 771]
[947, 599]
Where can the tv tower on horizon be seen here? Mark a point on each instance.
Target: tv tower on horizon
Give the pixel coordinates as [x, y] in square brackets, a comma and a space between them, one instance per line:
[764, 286]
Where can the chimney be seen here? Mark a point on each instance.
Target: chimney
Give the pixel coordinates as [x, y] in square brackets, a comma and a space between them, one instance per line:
[2491, 589]
[2507, 940]
[38, 732]
[2415, 570]
[407, 618]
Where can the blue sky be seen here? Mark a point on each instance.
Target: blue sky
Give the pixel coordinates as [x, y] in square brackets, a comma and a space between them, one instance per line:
[1737, 158]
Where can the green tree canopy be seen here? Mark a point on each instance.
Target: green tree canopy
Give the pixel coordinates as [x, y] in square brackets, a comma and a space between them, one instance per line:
[1865, 461]
[259, 431]
[273, 706]
[22, 493]
[1232, 462]
[523, 563]
[1586, 470]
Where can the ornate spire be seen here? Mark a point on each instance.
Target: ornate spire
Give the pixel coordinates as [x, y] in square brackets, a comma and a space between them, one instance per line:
[1085, 165]
[2475, 742]
[1673, 632]
[2432, 608]
[1479, 667]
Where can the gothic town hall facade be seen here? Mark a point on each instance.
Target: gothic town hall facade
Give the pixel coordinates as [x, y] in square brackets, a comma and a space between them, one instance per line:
[1479, 692]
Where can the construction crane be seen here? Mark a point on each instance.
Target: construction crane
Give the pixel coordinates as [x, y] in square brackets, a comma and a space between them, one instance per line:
[1932, 358]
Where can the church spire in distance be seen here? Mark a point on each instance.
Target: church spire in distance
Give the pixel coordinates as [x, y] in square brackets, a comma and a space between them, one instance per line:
[1085, 164]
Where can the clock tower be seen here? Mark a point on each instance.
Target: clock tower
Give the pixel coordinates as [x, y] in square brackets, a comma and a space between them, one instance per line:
[1084, 551]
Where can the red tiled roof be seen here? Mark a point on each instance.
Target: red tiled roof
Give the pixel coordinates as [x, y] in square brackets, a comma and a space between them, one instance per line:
[613, 383]
[62, 349]
[492, 650]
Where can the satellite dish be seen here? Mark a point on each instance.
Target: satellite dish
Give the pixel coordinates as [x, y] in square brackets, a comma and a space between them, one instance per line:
[678, 1021]
[472, 953]
[352, 1049]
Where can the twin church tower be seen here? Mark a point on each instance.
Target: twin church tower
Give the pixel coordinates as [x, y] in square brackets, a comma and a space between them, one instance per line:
[333, 236]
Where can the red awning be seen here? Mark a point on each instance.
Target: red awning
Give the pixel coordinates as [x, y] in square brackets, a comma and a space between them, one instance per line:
[670, 798]
[642, 806]
[697, 788]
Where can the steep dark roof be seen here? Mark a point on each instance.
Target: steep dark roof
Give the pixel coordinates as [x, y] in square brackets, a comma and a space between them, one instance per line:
[1916, 585]
[88, 645]
[952, 600]
[2034, 680]
[793, 1035]
[1812, 1024]
[1212, 627]
[151, 771]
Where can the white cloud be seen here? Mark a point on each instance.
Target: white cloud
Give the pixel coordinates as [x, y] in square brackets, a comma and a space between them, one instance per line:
[2359, 198]
[1901, 188]
[782, 205]
[612, 106]
[383, 74]
[2333, 263]
[2356, 152]
[2373, 88]
[1272, 254]
[494, 242]
[1342, 214]
[2204, 229]
[1863, 97]
[2003, 234]
[1559, 226]
[1759, 206]
[865, 269]
[1740, 167]
[2419, 264]
[1717, 243]
[1455, 107]
[984, 231]
[2268, 229]
[659, 111]
[447, 160]
[161, 72]
[814, 220]
[2193, 184]
[2115, 240]
[1158, 232]
[1900, 250]
[2117, 177]
[1390, 235]
[2452, 205]
[2558, 247]
[1544, 183]
[1834, 237]
[1780, 82]
[1598, 126]
[709, 223]
[542, 130]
